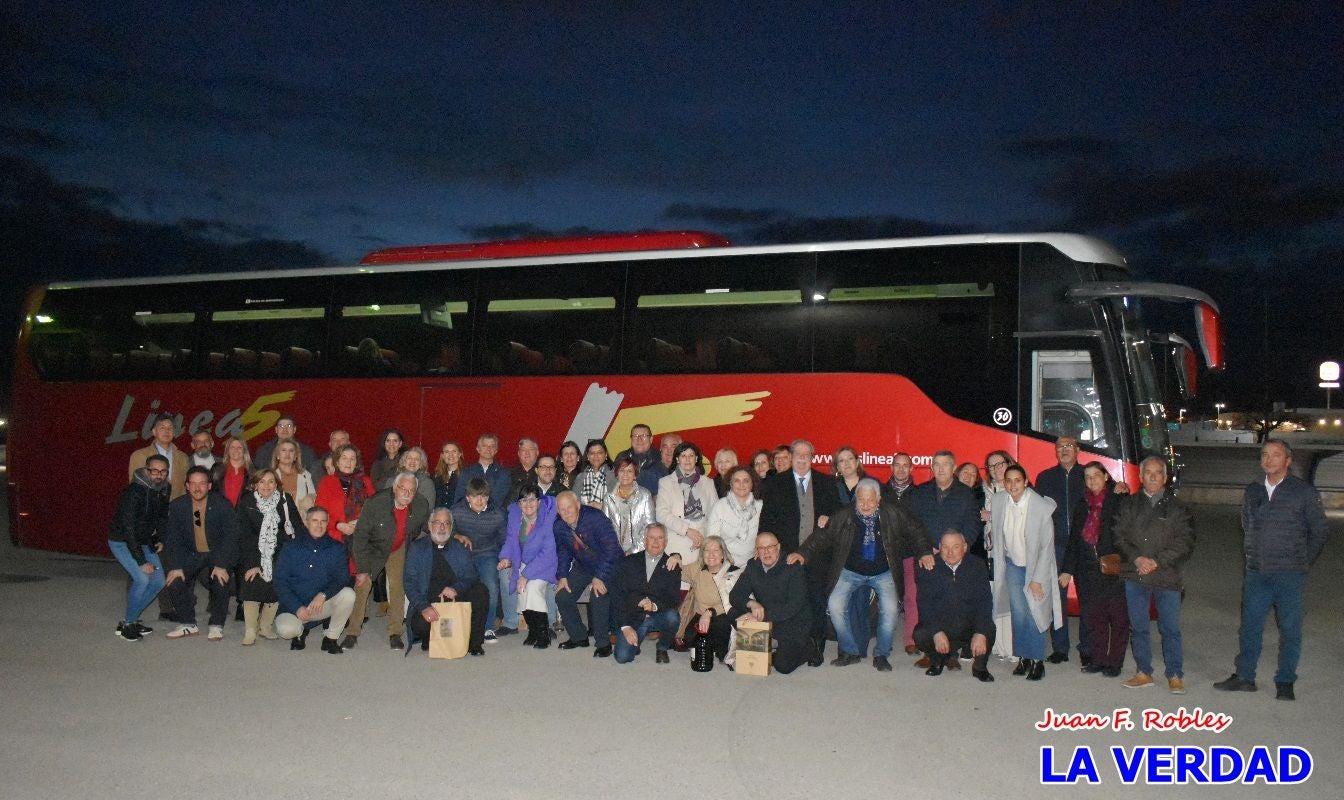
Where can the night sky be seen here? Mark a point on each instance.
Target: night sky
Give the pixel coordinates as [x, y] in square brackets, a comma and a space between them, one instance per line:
[1203, 139]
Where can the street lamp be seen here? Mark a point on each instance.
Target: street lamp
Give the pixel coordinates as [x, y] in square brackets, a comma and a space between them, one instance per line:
[1329, 374]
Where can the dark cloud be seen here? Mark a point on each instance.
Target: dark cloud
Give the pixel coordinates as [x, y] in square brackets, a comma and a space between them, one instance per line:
[834, 229]
[29, 138]
[526, 230]
[1062, 147]
[720, 215]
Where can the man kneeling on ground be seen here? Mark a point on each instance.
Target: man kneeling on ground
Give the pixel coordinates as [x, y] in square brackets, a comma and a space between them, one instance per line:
[312, 580]
[439, 568]
[956, 609]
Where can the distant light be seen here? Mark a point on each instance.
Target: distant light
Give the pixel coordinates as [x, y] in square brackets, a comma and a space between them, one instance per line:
[375, 307]
[3, 422]
[1329, 371]
[1336, 422]
[717, 291]
[42, 319]
[1320, 422]
[818, 297]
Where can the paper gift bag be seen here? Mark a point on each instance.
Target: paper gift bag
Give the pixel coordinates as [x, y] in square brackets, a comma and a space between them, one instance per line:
[448, 637]
[753, 648]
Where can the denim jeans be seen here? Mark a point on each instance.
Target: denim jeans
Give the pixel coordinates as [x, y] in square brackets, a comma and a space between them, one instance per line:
[665, 621]
[144, 588]
[1261, 591]
[487, 567]
[1028, 640]
[838, 607]
[861, 630]
[508, 599]
[1139, 598]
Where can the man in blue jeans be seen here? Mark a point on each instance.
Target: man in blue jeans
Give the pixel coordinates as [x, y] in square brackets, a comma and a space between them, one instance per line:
[142, 514]
[646, 592]
[862, 543]
[1283, 524]
[1155, 536]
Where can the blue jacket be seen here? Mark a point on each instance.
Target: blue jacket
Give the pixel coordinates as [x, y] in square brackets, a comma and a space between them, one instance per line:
[952, 602]
[499, 479]
[1285, 533]
[420, 564]
[485, 530]
[537, 555]
[959, 511]
[307, 567]
[599, 551]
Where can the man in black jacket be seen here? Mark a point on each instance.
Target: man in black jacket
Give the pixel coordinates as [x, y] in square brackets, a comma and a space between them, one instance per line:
[647, 590]
[134, 538]
[1063, 483]
[943, 504]
[774, 592]
[201, 543]
[956, 609]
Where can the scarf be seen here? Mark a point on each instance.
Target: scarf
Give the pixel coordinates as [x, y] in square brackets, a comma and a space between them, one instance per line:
[899, 488]
[869, 537]
[352, 486]
[1092, 528]
[691, 507]
[268, 538]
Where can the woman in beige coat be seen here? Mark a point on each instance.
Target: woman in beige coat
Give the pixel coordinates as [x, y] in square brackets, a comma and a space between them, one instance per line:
[1025, 574]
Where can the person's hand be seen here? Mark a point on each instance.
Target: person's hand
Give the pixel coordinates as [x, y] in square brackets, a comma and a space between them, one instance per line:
[251, 573]
[979, 645]
[757, 610]
[795, 558]
[1064, 580]
[648, 605]
[940, 643]
[599, 588]
[1037, 590]
[984, 515]
[463, 540]
[822, 520]
[158, 547]
[361, 579]
[1145, 565]
[703, 624]
[504, 564]
[147, 568]
[629, 634]
[428, 614]
[346, 528]
[448, 594]
[673, 561]
[697, 538]
[926, 563]
[302, 614]
[745, 618]
[1121, 487]
[562, 585]
[174, 575]
[220, 574]
[315, 608]
[522, 584]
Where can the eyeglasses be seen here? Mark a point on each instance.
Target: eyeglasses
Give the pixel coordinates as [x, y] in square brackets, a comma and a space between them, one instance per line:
[156, 471]
[1066, 447]
[994, 464]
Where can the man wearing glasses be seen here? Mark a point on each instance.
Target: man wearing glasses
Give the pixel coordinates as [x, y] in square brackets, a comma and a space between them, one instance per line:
[648, 467]
[134, 541]
[1063, 483]
[775, 592]
[201, 544]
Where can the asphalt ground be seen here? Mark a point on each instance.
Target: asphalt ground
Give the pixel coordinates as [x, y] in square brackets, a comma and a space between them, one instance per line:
[88, 715]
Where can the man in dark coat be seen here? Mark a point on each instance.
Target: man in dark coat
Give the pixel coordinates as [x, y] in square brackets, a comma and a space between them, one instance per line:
[135, 539]
[1063, 483]
[439, 568]
[956, 609]
[201, 544]
[389, 521]
[647, 591]
[941, 505]
[586, 552]
[773, 591]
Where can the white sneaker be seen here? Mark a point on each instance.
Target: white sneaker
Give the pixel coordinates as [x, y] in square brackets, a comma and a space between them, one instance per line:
[183, 631]
[216, 633]
[490, 636]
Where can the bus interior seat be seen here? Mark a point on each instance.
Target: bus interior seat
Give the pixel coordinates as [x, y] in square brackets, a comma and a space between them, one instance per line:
[523, 360]
[268, 364]
[242, 362]
[588, 357]
[735, 355]
[215, 364]
[296, 361]
[667, 357]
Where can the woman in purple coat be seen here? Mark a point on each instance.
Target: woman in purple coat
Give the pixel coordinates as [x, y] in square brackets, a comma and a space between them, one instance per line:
[527, 563]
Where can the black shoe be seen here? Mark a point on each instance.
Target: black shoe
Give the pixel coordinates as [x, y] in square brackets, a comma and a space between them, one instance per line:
[936, 664]
[395, 642]
[881, 664]
[1058, 658]
[1085, 659]
[144, 629]
[1111, 672]
[1234, 683]
[299, 642]
[543, 639]
[602, 652]
[817, 653]
[1023, 664]
[982, 675]
[330, 645]
[476, 651]
[127, 632]
[424, 646]
[662, 658]
[1285, 692]
[503, 631]
[349, 642]
[845, 659]
[531, 637]
[1093, 668]
[1037, 671]
[573, 644]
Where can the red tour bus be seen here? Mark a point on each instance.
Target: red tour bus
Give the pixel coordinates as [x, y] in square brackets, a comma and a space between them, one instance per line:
[967, 343]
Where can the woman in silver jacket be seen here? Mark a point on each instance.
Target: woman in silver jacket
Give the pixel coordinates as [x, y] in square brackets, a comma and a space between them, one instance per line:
[629, 506]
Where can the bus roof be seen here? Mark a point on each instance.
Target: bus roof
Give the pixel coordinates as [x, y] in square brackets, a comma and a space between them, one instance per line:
[554, 246]
[1075, 246]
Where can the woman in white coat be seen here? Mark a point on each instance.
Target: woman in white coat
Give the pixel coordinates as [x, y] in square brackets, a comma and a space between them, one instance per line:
[737, 516]
[685, 498]
[1025, 574]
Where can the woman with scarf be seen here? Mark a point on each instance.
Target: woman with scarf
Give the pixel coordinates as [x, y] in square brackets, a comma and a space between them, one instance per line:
[343, 493]
[629, 506]
[1101, 597]
[711, 582]
[527, 564]
[736, 517]
[392, 444]
[447, 474]
[685, 498]
[267, 521]
[570, 466]
[597, 476]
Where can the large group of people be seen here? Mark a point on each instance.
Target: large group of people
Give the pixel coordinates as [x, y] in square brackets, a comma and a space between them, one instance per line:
[661, 541]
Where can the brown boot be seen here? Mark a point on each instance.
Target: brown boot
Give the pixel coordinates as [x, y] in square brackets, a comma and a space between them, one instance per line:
[251, 611]
[266, 626]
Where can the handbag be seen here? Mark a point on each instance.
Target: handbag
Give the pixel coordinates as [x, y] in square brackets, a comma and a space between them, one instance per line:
[448, 636]
[1109, 564]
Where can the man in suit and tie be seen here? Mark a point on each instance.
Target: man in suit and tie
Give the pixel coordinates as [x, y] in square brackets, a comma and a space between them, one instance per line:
[794, 504]
[648, 588]
[178, 463]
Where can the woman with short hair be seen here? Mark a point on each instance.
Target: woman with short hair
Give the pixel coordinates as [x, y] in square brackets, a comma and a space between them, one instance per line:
[629, 506]
[527, 563]
[267, 521]
[597, 476]
[685, 497]
[711, 581]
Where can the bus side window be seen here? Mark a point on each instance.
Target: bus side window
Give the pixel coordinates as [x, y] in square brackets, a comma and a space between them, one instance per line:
[1065, 399]
[539, 323]
[113, 333]
[407, 323]
[265, 328]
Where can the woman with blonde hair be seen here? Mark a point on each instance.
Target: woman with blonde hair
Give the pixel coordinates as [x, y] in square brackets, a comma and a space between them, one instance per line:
[295, 479]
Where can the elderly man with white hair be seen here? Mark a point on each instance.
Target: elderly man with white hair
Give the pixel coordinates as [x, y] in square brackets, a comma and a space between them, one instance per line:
[862, 543]
[390, 520]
